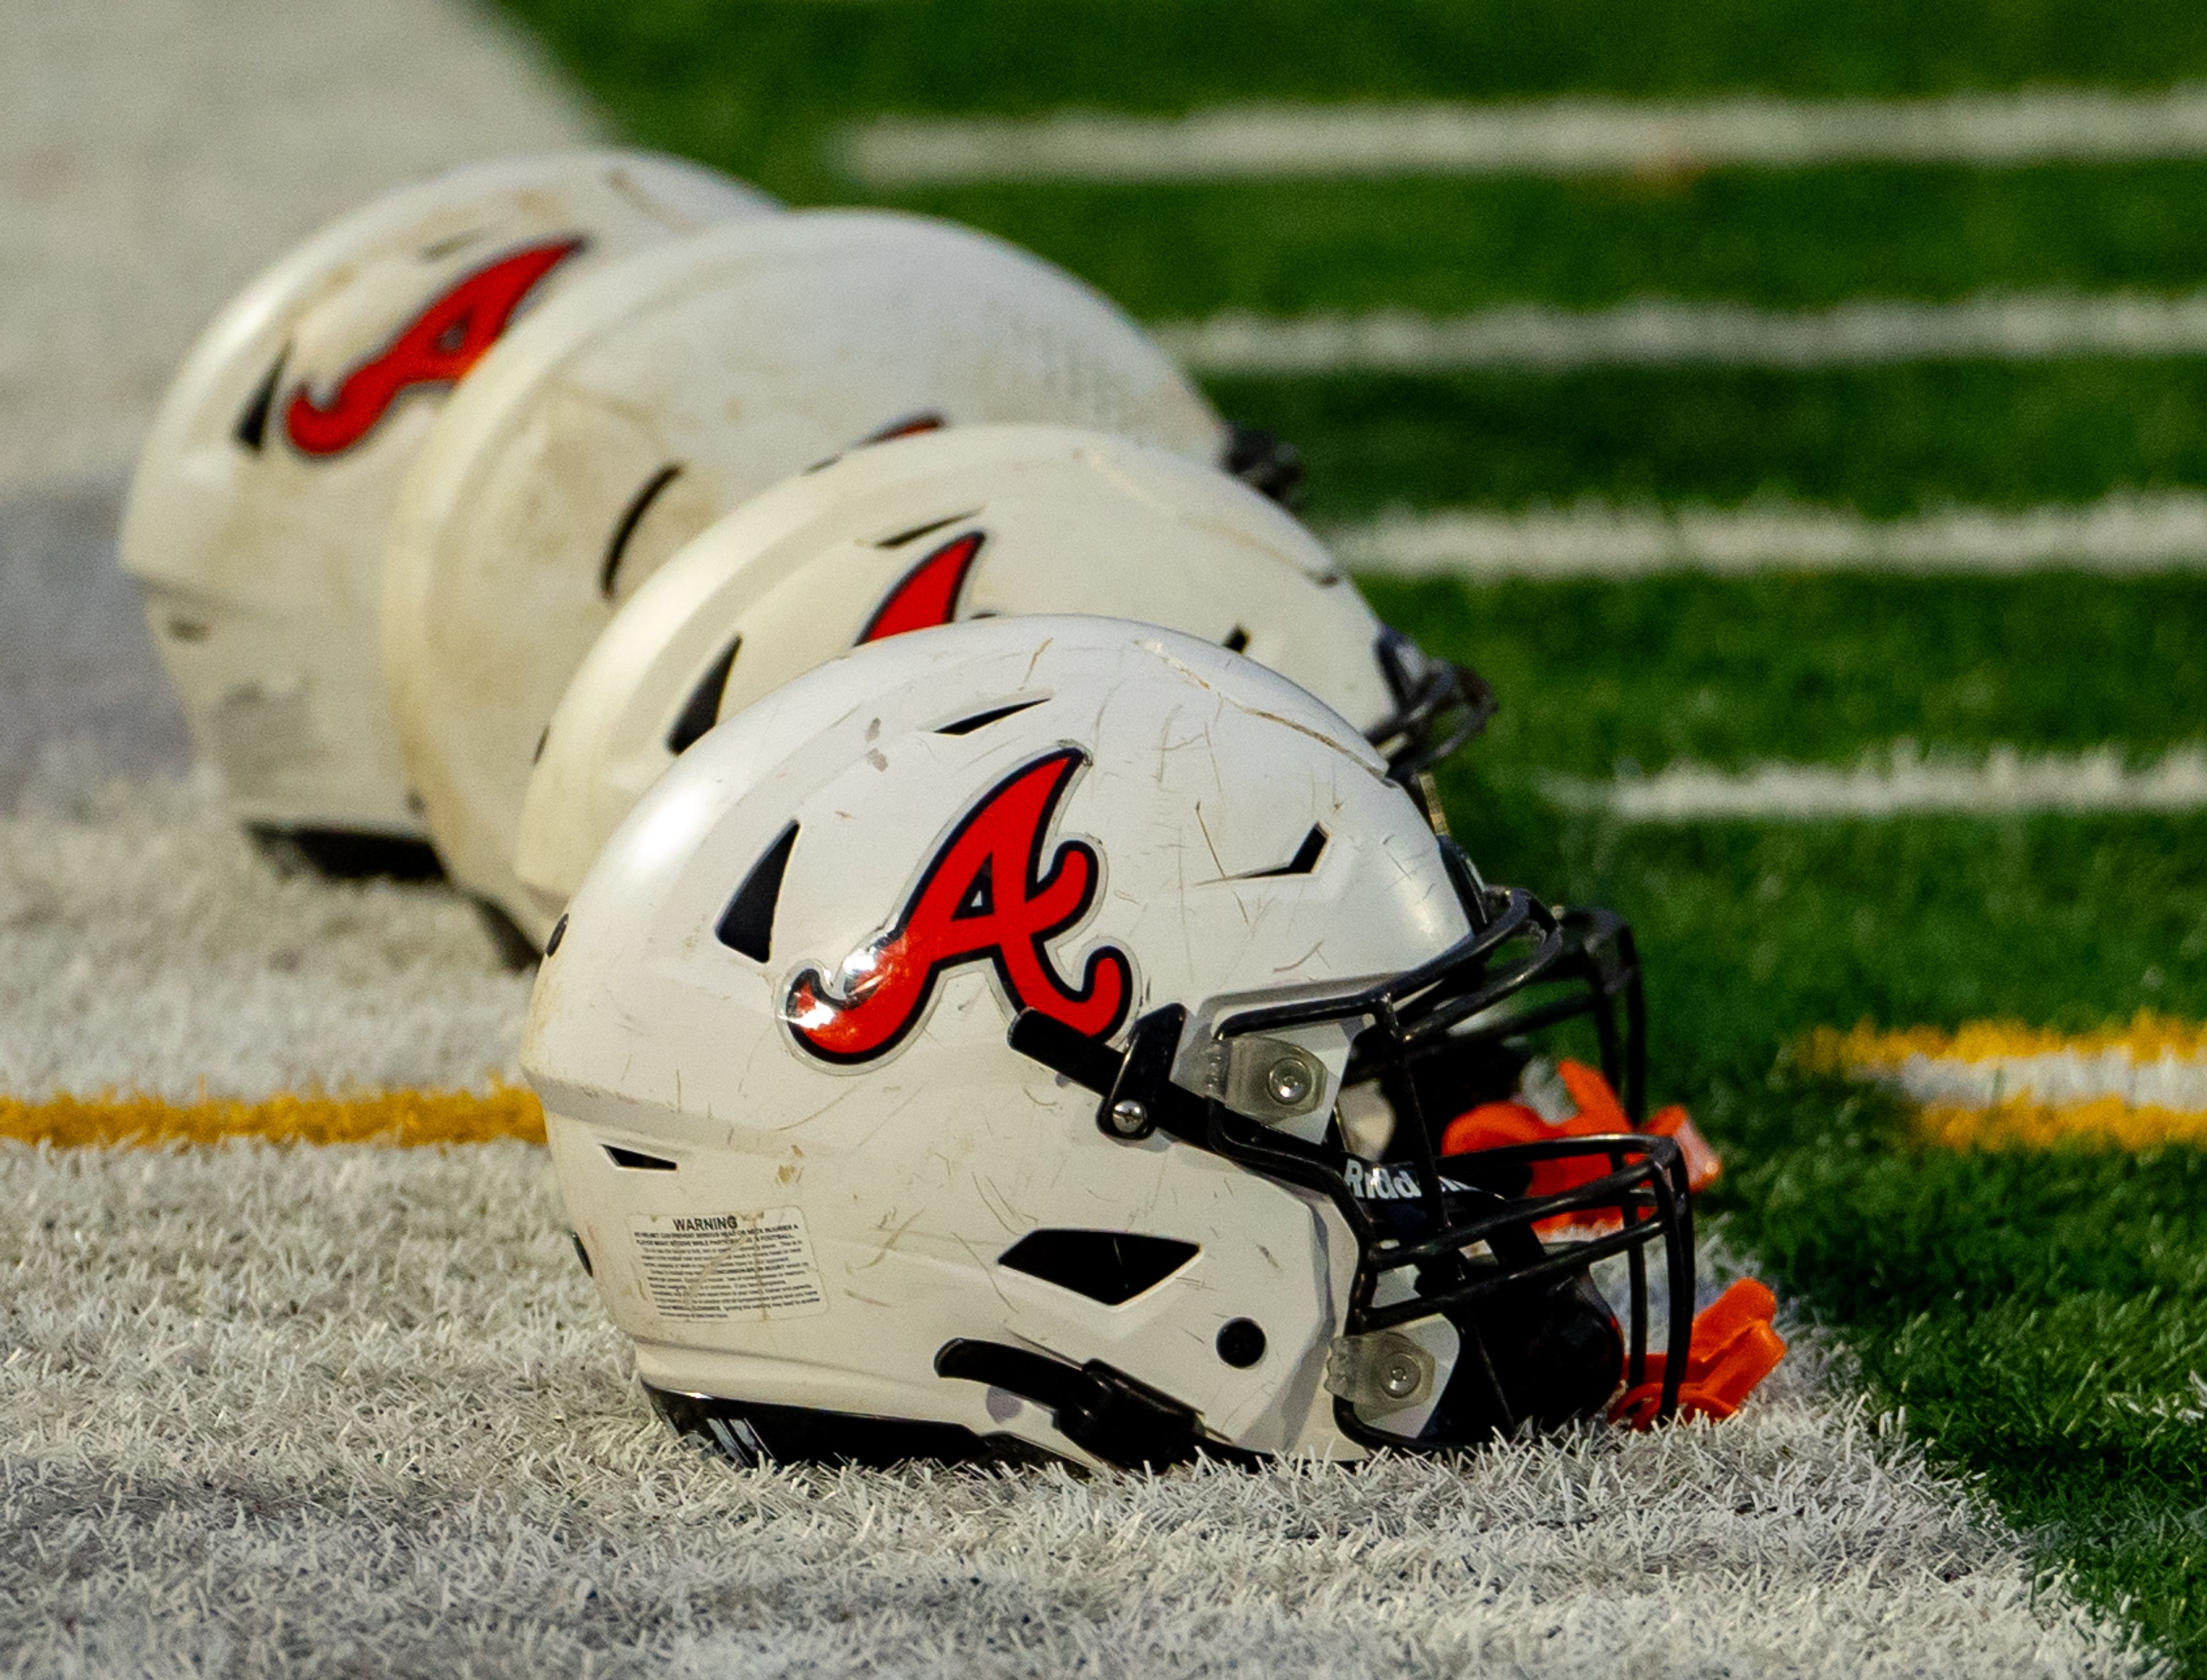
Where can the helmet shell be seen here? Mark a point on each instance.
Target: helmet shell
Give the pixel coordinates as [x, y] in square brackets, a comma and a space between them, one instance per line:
[257, 515]
[971, 522]
[888, 1182]
[633, 412]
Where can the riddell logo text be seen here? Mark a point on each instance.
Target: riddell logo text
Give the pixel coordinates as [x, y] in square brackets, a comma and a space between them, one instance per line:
[986, 894]
[437, 347]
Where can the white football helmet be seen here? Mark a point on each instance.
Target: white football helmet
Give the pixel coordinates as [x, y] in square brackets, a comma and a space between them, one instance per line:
[973, 522]
[958, 1051]
[633, 411]
[256, 520]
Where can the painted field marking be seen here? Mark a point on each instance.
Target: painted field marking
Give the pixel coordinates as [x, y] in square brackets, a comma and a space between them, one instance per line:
[1901, 782]
[2000, 1083]
[1669, 333]
[2122, 532]
[406, 1119]
[1560, 137]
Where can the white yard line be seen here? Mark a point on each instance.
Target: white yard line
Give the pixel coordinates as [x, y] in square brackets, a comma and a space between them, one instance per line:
[1667, 332]
[1573, 136]
[2123, 533]
[2057, 1077]
[1901, 782]
[154, 155]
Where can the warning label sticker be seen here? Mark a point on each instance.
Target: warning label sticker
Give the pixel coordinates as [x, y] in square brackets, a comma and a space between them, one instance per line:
[727, 1265]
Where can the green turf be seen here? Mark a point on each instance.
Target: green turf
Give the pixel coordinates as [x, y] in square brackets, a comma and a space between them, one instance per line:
[1601, 676]
[1887, 441]
[1791, 240]
[2040, 1316]
[755, 85]
[1756, 932]
[2043, 1317]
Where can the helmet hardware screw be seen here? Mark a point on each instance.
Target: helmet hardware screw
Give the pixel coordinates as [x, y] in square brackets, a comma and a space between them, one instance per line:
[1129, 1118]
[1399, 1377]
[1288, 1081]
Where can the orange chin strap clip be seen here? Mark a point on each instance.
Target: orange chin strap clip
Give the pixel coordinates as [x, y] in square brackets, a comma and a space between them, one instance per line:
[1733, 1348]
[1733, 1345]
[1491, 1125]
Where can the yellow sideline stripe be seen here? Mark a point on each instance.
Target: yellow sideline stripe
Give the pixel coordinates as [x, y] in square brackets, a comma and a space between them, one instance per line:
[1865, 1049]
[2103, 1122]
[407, 1119]
[2107, 1121]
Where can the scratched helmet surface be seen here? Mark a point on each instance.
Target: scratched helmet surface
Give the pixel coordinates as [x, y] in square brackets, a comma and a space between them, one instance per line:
[636, 408]
[971, 522]
[1019, 1036]
[257, 516]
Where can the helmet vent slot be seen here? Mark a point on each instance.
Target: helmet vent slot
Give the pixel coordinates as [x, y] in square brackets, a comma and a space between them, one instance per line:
[1106, 1266]
[702, 711]
[253, 424]
[966, 725]
[1304, 862]
[746, 926]
[636, 1162]
[928, 530]
[625, 529]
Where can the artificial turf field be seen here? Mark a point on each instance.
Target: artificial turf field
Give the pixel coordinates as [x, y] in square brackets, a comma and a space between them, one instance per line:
[2040, 1313]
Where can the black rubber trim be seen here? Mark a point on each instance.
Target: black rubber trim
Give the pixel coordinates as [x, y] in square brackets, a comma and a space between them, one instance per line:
[751, 1434]
[1096, 1407]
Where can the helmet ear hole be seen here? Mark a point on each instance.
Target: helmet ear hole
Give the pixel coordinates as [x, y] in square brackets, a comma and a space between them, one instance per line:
[1240, 1342]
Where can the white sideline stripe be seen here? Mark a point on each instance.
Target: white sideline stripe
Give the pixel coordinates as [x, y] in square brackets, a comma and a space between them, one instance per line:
[2056, 1077]
[1665, 332]
[1572, 136]
[2122, 532]
[1904, 784]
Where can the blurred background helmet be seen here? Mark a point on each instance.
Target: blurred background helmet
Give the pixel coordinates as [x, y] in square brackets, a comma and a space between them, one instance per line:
[636, 408]
[257, 516]
[966, 522]
[952, 1054]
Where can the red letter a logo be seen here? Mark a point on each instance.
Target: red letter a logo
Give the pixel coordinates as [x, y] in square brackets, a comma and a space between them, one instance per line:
[928, 594]
[985, 895]
[436, 348]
